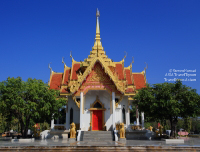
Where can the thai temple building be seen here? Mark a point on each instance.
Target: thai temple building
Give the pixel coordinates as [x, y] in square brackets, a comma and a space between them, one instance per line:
[98, 90]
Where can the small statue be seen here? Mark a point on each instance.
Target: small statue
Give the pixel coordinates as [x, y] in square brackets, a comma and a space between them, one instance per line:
[160, 130]
[122, 130]
[90, 127]
[137, 127]
[117, 126]
[150, 128]
[157, 133]
[72, 130]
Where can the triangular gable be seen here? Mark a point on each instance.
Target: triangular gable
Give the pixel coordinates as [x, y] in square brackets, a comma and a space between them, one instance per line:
[98, 80]
[76, 85]
[97, 75]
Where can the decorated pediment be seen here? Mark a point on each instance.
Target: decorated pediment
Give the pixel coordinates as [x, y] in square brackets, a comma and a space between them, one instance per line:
[98, 76]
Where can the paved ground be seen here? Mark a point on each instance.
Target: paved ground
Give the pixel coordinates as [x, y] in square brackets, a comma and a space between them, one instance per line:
[189, 142]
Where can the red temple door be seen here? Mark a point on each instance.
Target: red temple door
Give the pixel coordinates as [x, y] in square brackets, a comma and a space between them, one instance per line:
[97, 120]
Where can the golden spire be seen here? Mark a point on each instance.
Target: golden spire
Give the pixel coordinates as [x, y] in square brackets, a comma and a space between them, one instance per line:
[97, 48]
[97, 25]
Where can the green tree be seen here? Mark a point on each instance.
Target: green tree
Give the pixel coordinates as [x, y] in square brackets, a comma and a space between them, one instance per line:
[168, 101]
[29, 100]
[187, 124]
[195, 127]
[180, 124]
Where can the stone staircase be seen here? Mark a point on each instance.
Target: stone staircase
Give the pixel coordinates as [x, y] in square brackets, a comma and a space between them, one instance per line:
[96, 136]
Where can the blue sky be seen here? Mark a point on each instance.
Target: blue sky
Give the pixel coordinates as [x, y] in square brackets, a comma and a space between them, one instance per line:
[165, 34]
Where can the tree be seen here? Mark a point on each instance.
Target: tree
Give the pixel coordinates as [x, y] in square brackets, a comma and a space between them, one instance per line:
[132, 114]
[168, 101]
[29, 100]
[187, 124]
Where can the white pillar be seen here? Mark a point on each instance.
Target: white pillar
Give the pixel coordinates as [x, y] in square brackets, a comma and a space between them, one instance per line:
[81, 110]
[52, 123]
[137, 117]
[142, 118]
[127, 117]
[66, 114]
[113, 108]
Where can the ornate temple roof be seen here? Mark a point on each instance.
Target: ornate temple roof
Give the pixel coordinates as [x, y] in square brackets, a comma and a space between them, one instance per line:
[81, 75]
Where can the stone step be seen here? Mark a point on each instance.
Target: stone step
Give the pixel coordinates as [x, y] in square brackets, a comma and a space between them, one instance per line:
[104, 139]
[96, 136]
[96, 131]
[94, 140]
[110, 138]
[88, 132]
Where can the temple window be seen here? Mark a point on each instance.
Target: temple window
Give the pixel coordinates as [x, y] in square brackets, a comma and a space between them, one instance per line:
[62, 119]
[123, 116]
[97, 105]
[116, 100]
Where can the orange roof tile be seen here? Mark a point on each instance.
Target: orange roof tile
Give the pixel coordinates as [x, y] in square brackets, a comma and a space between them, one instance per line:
[112, 69]
[75, 68]
[128, 76]
[119, 71]
[139, 81]
[66, 78]
[56, 81]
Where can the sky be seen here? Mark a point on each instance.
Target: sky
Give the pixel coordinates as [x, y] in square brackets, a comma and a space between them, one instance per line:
[164, 34]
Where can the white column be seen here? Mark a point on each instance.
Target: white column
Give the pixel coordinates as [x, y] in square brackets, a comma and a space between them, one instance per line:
[81, 110]
[66, 116]
[113, 108]
[52, 123]
[137, 117]
[127, 118]
[142, 118]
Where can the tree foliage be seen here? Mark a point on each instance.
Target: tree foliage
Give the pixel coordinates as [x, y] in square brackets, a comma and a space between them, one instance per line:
[168, 101]
[28, 100]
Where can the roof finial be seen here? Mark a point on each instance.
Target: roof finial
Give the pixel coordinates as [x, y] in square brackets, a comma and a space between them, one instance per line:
[50, 68]
[63, 61]
[98, 13]
[132, 59]
[125, 55]
[97, 24]
[145, 68]
[71, 55]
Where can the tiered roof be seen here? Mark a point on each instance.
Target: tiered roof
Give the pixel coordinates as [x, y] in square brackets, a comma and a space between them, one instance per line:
[73, 79]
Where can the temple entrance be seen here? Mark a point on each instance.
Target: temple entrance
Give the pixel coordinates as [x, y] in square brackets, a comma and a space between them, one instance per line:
[97, 115]
[97, 120]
